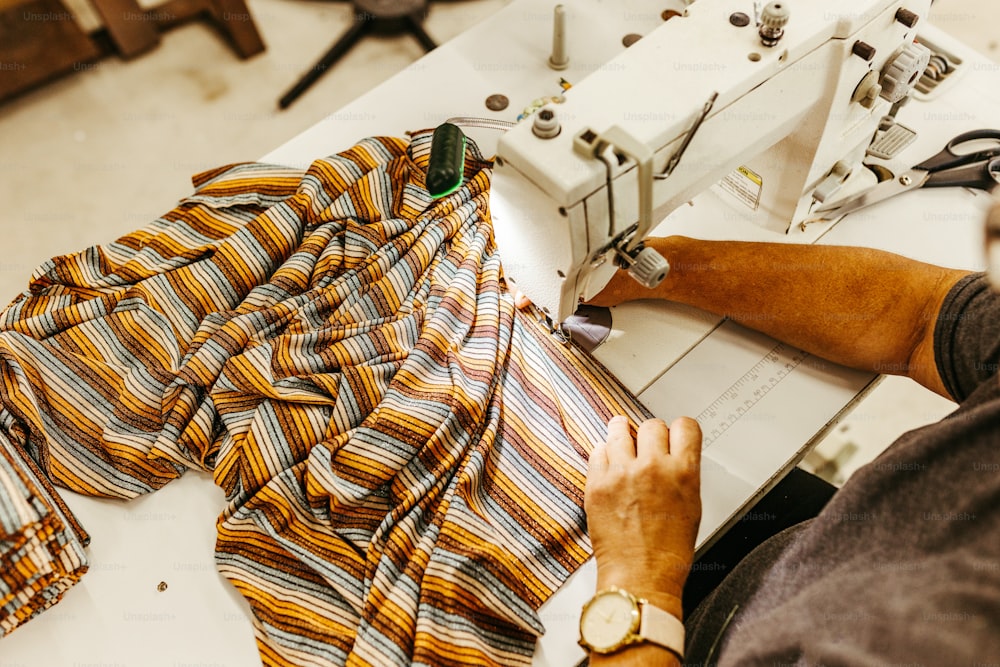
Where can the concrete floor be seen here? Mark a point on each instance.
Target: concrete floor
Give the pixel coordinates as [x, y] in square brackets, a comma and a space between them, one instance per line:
[106, 150]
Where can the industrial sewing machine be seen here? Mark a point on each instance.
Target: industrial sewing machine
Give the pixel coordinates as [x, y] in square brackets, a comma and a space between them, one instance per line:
[777, 110]
[771, 116]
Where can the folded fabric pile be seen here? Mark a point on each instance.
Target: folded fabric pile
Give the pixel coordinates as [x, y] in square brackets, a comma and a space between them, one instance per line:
[41, 544]
[403, 452]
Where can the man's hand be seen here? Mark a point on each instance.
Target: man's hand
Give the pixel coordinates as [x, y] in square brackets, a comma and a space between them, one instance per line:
[643, 508]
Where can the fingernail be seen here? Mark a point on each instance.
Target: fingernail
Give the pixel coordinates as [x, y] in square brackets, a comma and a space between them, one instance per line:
[618, 419]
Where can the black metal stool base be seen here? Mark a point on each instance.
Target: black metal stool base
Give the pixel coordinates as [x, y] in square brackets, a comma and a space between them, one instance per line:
[370, 16]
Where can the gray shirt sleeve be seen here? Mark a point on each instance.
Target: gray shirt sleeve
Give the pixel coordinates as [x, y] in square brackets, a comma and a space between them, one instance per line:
[967, 336]
[902, 566]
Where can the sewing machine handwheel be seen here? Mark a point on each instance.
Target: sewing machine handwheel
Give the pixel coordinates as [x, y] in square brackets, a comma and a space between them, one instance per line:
[649, 268]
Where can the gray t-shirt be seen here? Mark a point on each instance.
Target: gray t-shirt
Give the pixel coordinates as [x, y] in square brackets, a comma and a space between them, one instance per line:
[902, 567]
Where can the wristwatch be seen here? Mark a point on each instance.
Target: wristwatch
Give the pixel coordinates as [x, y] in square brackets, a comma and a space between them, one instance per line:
[614, 619]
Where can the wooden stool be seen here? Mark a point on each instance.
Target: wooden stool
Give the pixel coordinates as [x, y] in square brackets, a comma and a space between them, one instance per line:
[41, 40]
[231, 17]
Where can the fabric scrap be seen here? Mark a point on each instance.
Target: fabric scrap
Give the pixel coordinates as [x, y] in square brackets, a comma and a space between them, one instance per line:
[41, 544]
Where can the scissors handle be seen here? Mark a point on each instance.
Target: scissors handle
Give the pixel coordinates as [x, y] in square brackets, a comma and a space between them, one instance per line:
[948, 158]
[981, 176]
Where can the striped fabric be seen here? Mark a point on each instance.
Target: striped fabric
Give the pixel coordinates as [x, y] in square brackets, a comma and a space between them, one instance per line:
[41, 545]
[403, 453]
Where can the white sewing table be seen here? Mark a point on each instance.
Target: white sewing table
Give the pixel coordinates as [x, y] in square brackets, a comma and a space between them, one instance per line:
[117, 617]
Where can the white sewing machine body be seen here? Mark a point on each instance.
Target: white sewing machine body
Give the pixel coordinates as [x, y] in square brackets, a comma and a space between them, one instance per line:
[786, 115]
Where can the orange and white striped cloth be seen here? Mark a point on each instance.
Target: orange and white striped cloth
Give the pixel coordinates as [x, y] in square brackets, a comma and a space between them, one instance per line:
[41, 544]
[403, 452]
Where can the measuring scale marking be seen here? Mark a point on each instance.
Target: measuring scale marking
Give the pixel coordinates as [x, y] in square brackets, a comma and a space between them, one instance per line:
[747, 391]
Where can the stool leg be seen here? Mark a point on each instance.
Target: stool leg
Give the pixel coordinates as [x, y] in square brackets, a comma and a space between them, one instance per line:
[358, 28]
[234, 20]
[417, 29]
[126, 22]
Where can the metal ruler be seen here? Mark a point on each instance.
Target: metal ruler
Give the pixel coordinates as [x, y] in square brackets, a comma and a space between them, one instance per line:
[740, 397]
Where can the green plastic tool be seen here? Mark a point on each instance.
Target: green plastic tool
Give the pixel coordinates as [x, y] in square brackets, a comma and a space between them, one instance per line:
[447, 162]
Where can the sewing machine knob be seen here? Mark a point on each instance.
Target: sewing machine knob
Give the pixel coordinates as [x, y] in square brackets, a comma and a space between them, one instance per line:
[546, 125]
[899, 75]
[863, 50]
[868, 91]
[773, 19]
[649, 268]
[906, 17]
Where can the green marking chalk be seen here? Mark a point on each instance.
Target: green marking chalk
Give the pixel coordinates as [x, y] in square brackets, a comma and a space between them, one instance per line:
[447, 162]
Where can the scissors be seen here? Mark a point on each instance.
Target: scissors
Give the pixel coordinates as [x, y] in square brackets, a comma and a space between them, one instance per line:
[967, 161]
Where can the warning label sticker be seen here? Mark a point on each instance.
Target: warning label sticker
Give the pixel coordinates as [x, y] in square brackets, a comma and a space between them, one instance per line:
[745, 185]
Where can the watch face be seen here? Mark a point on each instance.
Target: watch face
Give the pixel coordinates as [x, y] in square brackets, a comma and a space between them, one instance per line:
[608, 620]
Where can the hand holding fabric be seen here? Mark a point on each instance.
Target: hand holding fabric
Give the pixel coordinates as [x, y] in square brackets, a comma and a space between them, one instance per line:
[643, 507]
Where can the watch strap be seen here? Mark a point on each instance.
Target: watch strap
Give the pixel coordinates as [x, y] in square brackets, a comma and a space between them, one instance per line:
[661, 628]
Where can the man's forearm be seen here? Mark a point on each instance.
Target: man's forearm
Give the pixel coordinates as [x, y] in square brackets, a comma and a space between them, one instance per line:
[863, 308]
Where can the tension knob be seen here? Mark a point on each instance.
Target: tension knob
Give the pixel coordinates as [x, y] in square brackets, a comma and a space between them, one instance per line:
[903, 71]
[649, 268]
